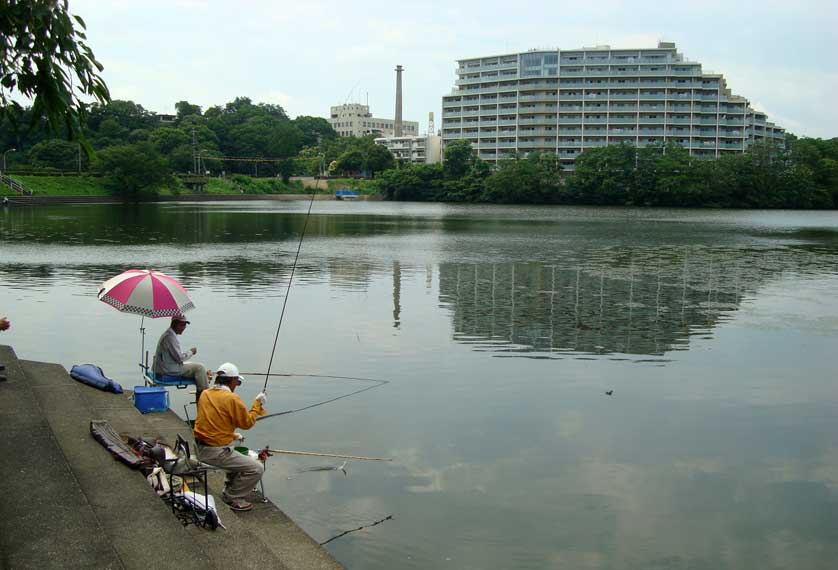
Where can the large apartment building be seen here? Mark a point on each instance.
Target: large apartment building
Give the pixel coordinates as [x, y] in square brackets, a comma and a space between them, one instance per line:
[355, 120]
[564, 102]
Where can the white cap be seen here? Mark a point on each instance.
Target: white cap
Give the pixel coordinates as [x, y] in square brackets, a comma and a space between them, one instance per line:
[230, 370]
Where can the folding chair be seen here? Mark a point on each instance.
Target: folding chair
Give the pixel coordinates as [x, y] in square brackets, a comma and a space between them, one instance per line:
[187, 508]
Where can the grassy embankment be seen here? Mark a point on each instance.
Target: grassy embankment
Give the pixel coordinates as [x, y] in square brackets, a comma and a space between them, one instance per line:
[62, 185]
[95, 186]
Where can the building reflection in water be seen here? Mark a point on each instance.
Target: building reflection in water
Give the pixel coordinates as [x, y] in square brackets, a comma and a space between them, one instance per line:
[544, 310]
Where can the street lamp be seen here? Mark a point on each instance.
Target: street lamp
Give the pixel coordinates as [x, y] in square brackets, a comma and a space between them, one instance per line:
[4, 156]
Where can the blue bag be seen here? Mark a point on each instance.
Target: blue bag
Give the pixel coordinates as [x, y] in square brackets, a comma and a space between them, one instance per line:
[92, 375]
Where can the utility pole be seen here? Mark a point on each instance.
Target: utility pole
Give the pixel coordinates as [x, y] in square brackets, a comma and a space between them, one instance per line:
[195, 158]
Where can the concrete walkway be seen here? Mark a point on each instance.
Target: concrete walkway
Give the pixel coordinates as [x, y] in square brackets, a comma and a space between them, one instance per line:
[68, 504]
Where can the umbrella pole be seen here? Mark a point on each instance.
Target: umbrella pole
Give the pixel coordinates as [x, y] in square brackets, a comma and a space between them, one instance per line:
[142, 341]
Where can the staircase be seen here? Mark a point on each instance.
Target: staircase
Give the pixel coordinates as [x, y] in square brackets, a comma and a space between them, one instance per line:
[15, 185]
[68, 504]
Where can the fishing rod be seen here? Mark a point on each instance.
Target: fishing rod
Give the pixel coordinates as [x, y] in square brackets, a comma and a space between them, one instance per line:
[290, 280]
[289, 374]
[269, 451]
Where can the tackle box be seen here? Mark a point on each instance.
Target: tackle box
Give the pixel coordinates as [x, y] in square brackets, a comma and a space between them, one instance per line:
[151, 399]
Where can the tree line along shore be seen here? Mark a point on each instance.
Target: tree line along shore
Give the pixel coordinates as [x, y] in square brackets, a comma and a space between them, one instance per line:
[248, 148]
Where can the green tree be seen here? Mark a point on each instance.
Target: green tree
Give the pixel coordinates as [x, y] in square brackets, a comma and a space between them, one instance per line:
[531, 180]
[458, 158]
[351, 162]
[166, 139]
[314, 130]
[132, 169]
[414, 182]
[378, 158]
[126, 114]
[45, 58]
[604, 175]
[56, 153]
[185, 108]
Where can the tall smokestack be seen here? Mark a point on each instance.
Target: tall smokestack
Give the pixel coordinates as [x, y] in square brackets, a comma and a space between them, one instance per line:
[398, 126]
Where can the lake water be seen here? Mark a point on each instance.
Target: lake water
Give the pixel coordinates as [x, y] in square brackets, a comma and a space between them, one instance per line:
[499, 330]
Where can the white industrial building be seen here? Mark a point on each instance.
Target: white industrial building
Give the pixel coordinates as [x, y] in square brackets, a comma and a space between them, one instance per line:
[417, 149]
[355, 120]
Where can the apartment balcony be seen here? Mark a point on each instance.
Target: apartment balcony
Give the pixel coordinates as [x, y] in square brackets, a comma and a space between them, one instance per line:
[569, 144]
[537, 133]
[500, 144]
[595, 120]
[471, 80]
[537, 121]
[570, 132]
[569, 108]
[537, 85]
[594, 144]
[537, 144]
[619, 85]
[651, 96]
[652, 73]
[530, 109]
[648, 143]
[622, 120]
[651, 132]
[570, 120]
[540, 97]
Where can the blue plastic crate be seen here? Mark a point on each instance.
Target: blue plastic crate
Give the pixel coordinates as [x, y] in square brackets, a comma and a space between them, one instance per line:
[151, 399]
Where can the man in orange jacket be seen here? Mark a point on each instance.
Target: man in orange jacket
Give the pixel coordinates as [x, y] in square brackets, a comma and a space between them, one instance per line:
[220, 412]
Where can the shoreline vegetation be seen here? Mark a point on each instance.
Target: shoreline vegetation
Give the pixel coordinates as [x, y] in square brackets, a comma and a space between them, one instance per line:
[248, 148]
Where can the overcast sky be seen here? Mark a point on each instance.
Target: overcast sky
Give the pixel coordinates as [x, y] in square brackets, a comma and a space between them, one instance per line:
[309, 55]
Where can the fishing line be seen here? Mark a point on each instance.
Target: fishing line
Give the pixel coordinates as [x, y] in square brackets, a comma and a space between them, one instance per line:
[344, 533]
[290, 279]
[377, 384]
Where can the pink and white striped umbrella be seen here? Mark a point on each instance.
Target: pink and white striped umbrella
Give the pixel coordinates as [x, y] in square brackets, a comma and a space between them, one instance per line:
[145, 292]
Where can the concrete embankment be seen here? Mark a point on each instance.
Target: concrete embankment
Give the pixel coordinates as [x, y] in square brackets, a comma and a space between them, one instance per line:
[67, 504]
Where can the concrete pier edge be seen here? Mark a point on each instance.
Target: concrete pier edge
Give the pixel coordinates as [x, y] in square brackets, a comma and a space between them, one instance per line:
[68, 504]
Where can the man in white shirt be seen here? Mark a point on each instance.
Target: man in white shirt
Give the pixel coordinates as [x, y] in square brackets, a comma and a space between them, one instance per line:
[170, 360]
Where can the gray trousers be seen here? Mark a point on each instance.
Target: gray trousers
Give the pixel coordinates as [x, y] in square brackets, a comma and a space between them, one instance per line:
[197, 371]
[243, 472]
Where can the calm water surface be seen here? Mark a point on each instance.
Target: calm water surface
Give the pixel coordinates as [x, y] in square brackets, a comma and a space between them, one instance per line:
[499, 330]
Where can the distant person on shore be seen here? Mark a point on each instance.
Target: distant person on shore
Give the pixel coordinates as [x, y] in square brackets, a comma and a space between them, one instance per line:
[5, 324]
[170, 360]
[220, 413]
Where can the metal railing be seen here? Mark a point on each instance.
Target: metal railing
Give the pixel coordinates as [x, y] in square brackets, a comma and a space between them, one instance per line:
[15, 185]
